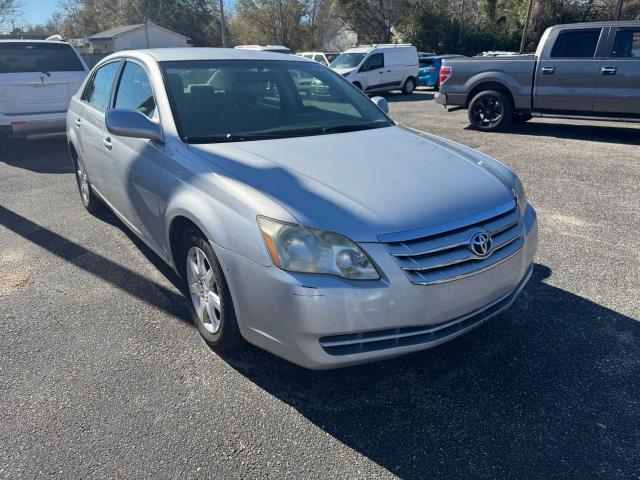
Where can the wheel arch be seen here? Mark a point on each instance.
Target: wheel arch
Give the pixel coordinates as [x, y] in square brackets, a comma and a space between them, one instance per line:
[489, 85]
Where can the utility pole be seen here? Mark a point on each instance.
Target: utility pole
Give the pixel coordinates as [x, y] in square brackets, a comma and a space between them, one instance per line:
[618, 10]
[223, 26]
[526, 27]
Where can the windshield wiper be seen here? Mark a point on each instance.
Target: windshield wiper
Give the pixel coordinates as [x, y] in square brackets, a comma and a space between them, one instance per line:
[234, 137]
[354, 127]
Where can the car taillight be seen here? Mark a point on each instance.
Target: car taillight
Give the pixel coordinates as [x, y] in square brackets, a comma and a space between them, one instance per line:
[445, 73]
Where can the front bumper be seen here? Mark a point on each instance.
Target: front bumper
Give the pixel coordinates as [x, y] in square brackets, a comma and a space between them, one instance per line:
[33, 124]
[322, 322]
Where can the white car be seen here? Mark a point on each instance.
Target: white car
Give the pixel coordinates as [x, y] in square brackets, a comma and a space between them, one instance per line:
[37, 80]
[324, 58]
[379, 68]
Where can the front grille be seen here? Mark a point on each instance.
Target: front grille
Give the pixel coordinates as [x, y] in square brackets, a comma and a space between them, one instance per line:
[443, 253]
[363, 342]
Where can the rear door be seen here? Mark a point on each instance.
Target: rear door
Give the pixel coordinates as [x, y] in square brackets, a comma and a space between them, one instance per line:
[38, 77]
[618, 88]
[97, 99]
[567, 73]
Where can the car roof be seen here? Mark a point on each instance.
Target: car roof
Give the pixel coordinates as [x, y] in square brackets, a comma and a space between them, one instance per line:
[202, 53]
[20, 40]
[610, 23]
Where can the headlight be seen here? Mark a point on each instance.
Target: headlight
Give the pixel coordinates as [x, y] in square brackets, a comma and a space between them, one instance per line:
[518, 191]
[309, 250]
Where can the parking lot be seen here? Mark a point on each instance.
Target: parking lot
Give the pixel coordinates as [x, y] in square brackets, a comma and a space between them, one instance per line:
[102, 375]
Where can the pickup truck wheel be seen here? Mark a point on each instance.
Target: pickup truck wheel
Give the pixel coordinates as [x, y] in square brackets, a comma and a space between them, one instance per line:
[409, 86]
[208, 294]
[490, 110]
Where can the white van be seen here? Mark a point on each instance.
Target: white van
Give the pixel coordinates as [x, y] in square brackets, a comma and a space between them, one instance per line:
[378, 68]
[37, 80]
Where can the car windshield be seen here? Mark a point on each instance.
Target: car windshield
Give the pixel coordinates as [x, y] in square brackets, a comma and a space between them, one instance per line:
[242, 100]
[43, 57]
[347, 60]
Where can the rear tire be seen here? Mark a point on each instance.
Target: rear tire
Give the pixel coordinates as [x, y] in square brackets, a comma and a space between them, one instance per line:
[207, 293]
[490, 110]
[89, 199]
[409, 86]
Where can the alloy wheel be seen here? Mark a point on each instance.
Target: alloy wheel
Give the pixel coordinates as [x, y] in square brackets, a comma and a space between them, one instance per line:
[203, 290]
[488, 111]
[83, 182]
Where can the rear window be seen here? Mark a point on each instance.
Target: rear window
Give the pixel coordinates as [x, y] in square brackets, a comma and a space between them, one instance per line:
[576, 44]
[425, 63]
[38, 57]
[627, 43]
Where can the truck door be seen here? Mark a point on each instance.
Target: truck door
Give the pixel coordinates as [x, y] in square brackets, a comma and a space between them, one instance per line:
[567, 71]
[618, 87]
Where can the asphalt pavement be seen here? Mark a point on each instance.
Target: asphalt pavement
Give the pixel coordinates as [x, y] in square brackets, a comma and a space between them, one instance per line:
[102, 374]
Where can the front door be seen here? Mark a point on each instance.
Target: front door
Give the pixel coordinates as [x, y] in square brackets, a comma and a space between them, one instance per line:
[618, 89]
[374, 72]
[133, 165]
[566, 78]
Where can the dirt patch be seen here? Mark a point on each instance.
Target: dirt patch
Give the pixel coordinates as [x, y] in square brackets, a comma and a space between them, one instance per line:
[15, 273]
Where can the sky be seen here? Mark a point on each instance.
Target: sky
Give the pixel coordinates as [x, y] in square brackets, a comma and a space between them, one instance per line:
[38, 11]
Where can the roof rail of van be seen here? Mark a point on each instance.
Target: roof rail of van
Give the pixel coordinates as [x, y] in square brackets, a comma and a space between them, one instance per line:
[376, 45]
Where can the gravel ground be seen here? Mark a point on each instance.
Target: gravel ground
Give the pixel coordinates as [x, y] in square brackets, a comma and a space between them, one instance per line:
[103, 376]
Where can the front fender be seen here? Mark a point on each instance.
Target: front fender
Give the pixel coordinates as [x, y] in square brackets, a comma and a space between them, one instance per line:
[223, 207]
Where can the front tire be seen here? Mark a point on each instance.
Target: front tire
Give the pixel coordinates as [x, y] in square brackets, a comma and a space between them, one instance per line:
[490, 110]
[207, 293]
[409, 86]
[89, 199]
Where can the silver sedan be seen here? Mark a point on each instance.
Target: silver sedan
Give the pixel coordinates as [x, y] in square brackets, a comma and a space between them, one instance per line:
[299, 216]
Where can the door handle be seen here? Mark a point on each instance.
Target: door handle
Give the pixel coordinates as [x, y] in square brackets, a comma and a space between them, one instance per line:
[608, 70]
[547, 70]
[78, 122]
[106, 141]
[388, 71]
[380, 73]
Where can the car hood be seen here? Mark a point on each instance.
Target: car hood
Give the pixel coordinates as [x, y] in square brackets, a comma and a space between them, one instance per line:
[362, 184]
[343, 71]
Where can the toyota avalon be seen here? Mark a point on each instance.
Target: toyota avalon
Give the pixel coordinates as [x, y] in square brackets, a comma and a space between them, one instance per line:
[299, 216]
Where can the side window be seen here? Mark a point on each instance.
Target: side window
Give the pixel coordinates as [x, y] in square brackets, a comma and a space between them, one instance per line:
[134, 90]
[319, 59]
[627, 44]
[576, 44]
[98, 91]
[374, 62]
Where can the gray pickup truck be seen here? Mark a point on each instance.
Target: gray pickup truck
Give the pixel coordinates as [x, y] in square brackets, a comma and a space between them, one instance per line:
[586, 70]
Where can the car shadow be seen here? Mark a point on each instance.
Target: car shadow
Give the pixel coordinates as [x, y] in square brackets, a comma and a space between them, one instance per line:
[595, 133]
[547, 389]
[38, 155]
[416, 96]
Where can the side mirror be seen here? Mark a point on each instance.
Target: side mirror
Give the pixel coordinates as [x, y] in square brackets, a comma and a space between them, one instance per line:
[381, 103]
[131, 123]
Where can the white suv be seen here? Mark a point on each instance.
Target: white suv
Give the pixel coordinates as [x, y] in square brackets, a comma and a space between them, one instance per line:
[37, 80]
[379, 68]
